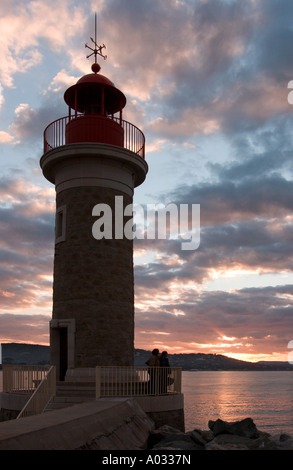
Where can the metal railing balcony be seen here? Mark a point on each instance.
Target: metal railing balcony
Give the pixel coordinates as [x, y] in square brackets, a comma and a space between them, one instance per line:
[112, 381]
[55, 134]
[37, 382]
[19, 378]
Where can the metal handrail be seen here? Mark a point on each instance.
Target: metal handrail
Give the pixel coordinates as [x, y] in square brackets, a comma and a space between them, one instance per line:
[55, 134]
[113, 381]
[41, 396]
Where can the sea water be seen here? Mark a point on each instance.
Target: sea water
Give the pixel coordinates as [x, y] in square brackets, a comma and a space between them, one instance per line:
[266, 397]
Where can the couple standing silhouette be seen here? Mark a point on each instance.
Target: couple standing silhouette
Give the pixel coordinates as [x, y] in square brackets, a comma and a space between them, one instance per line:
[159, 370]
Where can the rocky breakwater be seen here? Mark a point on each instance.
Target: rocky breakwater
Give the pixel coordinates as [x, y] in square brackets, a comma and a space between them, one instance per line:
[222, 435]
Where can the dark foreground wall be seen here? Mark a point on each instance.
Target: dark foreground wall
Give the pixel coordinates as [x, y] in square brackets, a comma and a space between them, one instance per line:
[116, 424]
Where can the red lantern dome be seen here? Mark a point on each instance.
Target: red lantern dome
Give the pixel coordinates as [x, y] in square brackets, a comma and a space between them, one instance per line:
[95, 99]
[95, 94]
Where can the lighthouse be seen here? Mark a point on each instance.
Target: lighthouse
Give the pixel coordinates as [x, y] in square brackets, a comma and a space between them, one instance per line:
[95, 159]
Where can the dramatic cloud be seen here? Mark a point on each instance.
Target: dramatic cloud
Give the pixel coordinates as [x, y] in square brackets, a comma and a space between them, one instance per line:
[24, 328]
[24, 25]
[256, 320]
[201, 64]
[26, 246]
[5, 137]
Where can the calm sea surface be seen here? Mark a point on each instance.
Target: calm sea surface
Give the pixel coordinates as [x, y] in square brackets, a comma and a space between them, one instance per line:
[266, 397]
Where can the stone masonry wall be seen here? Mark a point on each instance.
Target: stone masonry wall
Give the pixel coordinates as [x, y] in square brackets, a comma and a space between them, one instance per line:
[93, 282]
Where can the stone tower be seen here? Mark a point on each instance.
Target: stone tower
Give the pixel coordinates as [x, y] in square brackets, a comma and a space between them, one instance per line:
[93, 157]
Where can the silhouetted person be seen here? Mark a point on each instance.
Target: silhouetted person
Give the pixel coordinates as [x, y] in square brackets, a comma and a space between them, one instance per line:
[154, 363]
[164, 373]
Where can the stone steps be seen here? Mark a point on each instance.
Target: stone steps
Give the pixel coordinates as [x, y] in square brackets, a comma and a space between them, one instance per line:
[63, 402]
[71, 393]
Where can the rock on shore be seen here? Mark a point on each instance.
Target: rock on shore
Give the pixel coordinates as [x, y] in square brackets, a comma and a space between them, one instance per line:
[222, 435]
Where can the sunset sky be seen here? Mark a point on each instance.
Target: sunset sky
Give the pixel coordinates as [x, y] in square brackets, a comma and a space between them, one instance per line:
[207, 82]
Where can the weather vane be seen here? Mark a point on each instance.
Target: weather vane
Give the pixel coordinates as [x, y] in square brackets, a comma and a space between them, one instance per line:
[98, 49]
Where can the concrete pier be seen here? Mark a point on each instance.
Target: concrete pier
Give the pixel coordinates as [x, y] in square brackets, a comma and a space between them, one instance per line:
[105, 424]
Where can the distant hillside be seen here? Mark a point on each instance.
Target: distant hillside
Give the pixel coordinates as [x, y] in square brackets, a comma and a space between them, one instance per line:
[201, 361]
[19, 353]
